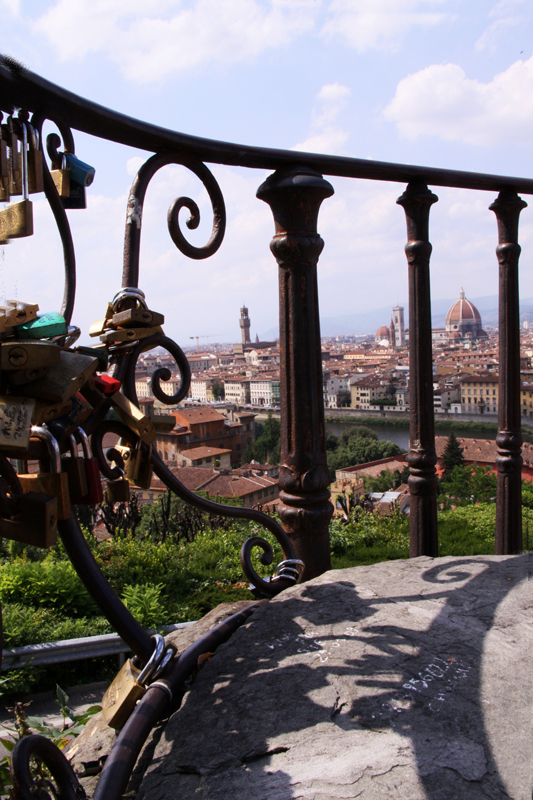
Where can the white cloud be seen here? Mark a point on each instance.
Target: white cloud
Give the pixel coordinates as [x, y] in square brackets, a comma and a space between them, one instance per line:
[490, 37]
[505, 16]
[151, 39]
[13, 5]
[326, 136]
[381, 23]
[441, 101]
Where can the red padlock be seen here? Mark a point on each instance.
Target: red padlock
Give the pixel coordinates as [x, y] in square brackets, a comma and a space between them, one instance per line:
[106, 384]
[95, 493]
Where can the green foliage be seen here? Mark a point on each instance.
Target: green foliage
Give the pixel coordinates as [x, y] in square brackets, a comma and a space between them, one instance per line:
[357, 445]
[267, 447]
[144, 602]
[45, 584]
[218, 390]
[452, 456]
[387, 480]
[24, 624]
[72, 726]
[470, 484]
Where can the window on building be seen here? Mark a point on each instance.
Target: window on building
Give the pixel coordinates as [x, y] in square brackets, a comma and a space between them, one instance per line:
[238, 447]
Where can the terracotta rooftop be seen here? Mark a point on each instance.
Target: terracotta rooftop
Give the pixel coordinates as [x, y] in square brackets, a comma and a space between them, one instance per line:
[202, 414]
[203, 452]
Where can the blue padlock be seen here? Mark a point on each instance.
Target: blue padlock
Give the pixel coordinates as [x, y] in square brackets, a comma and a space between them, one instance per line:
[80, 172]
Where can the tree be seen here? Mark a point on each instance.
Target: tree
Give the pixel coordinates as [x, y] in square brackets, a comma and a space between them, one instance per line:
[267, 447]
[452, 457]
[218, 390]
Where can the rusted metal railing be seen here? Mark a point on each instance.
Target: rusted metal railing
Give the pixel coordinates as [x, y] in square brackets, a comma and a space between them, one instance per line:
[294, 192]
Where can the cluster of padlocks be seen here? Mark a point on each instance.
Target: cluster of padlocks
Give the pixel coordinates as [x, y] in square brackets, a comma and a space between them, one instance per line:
[21, 173]
[49, 388]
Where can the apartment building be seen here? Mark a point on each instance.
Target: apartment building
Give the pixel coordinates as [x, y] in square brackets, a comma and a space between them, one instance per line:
[479, 394]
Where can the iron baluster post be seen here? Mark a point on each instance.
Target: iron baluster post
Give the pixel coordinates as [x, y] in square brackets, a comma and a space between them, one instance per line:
[295, 197]
[417, 201]
[507, 208]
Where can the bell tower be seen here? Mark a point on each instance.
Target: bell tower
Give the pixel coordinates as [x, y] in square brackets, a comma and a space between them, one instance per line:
[244, 322]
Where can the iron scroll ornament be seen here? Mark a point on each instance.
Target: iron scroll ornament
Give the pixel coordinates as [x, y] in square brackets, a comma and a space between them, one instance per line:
[289, 571]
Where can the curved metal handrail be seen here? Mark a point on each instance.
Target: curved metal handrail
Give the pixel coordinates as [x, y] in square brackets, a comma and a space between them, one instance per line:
[97, 120]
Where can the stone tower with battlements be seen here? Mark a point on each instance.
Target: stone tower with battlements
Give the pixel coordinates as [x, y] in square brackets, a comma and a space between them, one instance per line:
[244, 322]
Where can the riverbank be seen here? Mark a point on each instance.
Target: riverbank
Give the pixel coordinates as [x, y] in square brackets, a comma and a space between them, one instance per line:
[466, 428]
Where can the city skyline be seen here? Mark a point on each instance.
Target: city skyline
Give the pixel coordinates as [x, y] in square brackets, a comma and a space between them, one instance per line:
[326, 76]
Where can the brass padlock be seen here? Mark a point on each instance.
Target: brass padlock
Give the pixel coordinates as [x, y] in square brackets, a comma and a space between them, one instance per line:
[130, 460]
[61, 178]
[28, 355]
[74, 466]
[133, 417]
[130, 684]
[137, 317]
[36, 523]
[54, 482]
[118, 490]
[35, 163]
[15, 313]
[129, 334]
[16, 220]
[120, 698]
[64, 378]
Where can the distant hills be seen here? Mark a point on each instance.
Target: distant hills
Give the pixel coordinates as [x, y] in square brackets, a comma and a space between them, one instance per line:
[369, 321]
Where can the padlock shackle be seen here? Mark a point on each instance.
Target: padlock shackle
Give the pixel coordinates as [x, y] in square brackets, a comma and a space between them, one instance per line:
[25, 186]
[52, 446]
[127, 293]
[84, 441]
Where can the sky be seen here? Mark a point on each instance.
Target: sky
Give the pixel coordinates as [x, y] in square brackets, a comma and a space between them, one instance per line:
[443, 83]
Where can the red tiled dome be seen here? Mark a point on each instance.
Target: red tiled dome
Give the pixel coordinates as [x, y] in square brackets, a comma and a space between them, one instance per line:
[461, 311]
[383, 333]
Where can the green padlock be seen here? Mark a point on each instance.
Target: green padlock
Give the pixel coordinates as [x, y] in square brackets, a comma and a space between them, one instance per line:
[45, 326]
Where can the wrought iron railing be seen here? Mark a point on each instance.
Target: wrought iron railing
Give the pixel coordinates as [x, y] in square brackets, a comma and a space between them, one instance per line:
[294, 192]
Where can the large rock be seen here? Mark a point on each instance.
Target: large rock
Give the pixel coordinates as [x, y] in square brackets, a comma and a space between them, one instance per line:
[405, 680]
[89, 751]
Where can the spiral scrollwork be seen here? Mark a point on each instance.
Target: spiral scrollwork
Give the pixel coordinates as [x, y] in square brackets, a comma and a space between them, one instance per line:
[130, 275]
[26, 787]
[127, 374]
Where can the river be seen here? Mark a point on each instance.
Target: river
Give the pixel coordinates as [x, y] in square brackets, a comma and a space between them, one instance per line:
[400, 436]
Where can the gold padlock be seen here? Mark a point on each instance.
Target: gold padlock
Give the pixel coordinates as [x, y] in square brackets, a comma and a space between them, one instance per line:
[129, 334]
[61, 178]
[37, 522]
[129, 685]
[16, 220]
[120, 698]
[133, 417]
[55, 482]
[137, 317]
[131, 458]
[64, 378]
[118, 490]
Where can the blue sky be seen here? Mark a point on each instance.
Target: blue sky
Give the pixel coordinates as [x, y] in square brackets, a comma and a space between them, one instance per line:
[445, 83]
